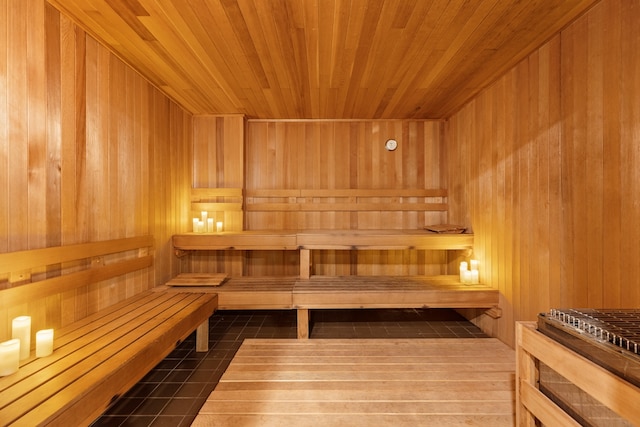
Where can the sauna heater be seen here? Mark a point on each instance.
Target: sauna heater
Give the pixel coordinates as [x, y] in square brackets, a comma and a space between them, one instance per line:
[609, 338]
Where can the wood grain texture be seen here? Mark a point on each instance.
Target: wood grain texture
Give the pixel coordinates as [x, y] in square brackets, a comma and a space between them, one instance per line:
[543, 165]
[323, 59]
[444, 382]
[89, 151]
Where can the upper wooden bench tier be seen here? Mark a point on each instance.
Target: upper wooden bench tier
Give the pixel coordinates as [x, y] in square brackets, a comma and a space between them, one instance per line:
[322, 239]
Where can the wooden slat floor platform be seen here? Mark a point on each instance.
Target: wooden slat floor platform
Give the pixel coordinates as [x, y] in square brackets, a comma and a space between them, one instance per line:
[366, 382]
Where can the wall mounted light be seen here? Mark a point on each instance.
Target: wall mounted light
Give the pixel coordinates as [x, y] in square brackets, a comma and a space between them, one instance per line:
[391, 144]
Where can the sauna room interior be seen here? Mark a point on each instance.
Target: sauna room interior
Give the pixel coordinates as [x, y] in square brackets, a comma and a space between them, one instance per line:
[323, 140]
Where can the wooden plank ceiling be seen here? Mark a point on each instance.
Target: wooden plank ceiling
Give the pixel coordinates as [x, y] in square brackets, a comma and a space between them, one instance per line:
[334, 59]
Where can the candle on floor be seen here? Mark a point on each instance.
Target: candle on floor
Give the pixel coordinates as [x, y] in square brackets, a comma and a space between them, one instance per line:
[44, 342]
[219, 226]
[195, 224]
[209, 225]
[21, 329]
[9, 357]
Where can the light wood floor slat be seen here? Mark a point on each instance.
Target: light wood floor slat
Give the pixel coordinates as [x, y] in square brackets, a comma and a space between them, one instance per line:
[356, 382]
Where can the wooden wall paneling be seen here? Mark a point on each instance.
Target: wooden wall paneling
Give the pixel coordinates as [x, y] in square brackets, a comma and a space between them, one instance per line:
[629, 42]
[17, 97]
[613, 167]
[4, 136]
[75, 145]
[563, 176]
[346, 154]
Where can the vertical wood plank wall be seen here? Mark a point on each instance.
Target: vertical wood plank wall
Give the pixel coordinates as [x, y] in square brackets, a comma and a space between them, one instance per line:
[545, 166]
[329, 154]
[89, 151]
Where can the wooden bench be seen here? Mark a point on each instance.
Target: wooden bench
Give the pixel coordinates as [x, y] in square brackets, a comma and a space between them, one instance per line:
[307, 292]
[388, 292]
[344, 292]
[533, 407]
[101, 356]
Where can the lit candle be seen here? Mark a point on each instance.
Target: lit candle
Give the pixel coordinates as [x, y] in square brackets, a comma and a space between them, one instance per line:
[204, 215]
[9, 357]
[195, 224]
[467, 276]
[219, 226]
[200, 227]
[474, 277]
[474, 265]
[21, 329]
[209, 225]
[463, 268]
[44, 342]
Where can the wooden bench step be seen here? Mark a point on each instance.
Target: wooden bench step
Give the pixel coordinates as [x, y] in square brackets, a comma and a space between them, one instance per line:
[101, 357]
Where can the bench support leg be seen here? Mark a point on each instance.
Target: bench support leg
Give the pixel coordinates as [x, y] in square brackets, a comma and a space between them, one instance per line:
[305, 263]
[202, 337]
[303, 323]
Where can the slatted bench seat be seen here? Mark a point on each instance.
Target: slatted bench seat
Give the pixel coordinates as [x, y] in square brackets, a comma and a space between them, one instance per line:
[320, 292]
[101, 356]
[240, 293]
[343, 292]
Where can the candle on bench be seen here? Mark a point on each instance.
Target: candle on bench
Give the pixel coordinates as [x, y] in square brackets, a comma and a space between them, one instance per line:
[21, 329]
[209, 225]
[44, 342]
[219, 226]
[196, 221]
[204, 215]
[463, 270]
[9, 357]
[474, 277]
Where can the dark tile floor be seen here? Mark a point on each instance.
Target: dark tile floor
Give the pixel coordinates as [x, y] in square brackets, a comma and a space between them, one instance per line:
[173, 392]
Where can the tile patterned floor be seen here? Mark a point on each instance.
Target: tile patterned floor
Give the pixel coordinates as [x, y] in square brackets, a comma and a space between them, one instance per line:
[173, 392]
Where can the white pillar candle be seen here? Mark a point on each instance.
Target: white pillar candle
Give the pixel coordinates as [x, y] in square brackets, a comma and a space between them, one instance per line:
[9, 357]
[219, 226]
[466, 276]
[209, 225]
[204, 215]
[474, 277]
[195, 224]
[463, 268]
[474, 264]
[200, 227]
[21, 329]
[44, 342]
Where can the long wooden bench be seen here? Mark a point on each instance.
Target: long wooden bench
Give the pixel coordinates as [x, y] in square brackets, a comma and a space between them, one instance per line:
[101, 356]
[344, 292]
[388, 292]
[308, 292]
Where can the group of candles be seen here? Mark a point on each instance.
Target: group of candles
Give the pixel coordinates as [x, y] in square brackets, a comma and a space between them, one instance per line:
[19, 346]
[469, 272]
[205, 224]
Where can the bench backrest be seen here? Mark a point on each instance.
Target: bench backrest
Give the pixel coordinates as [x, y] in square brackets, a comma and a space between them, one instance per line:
[59, 285]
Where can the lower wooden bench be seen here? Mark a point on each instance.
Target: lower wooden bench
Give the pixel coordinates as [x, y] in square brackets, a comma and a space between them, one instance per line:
[320, 292]
[97, 359]
[443, 291]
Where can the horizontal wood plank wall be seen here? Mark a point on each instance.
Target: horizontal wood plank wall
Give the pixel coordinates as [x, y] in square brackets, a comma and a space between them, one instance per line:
[89, 151]
[545, 166]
